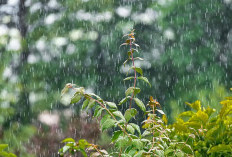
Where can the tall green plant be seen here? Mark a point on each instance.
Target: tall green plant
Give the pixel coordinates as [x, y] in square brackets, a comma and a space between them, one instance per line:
[128, 138]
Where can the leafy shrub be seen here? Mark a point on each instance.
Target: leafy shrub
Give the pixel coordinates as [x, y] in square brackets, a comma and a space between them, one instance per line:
[212, 134]
[127, 137]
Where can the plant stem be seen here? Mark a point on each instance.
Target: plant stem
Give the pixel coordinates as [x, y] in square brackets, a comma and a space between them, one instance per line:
[133, 63]
[153, 132]
[95, 147]
[102, 105]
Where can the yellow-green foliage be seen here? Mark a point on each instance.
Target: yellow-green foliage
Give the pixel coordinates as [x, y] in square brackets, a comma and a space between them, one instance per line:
[212, 133]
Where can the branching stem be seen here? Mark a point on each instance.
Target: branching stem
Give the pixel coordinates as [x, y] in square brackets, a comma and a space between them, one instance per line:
[102, 105]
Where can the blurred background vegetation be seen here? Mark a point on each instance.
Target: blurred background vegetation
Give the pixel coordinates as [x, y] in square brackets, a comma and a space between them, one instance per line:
[45, 44]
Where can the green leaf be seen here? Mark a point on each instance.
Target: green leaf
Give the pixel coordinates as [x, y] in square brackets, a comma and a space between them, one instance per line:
[140, 153]
[137, 143]
[140, 104]
[124, 63]
[123, 100]
[65, 89]
[116, 135]
[76, 98]
[186, 114]
[139, 70]
[82, 143]
[68, 140]
[130, 129]
[108, 124]
[65, 148]
[220, 148]
[85, 104]
[122, 142]
[138, 58]
[119, 114]
[136, 45]
[169, 151]
[128, 78]
[104, 118]
[144, 79]
[98, 110]
[130, 113]
[3, 146]
[130, 90]
[91, 104]
[92, 94]
[111, 104]
[196, 105]
[160, 111]
[136, 127]
[136, 90]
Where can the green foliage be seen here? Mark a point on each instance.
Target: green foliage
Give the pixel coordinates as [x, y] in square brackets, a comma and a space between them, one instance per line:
[211, 133]
[4, 153]
[127, 137]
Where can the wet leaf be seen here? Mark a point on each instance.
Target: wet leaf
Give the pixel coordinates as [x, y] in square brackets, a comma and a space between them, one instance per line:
[124, 63]
[124, 100]
[140, 104]
[136, 127]
[128, 78]
[118, 114]
[130, 113]
[68, 140]
[116, 134]
[144, 79]
[130, 129]
[130, 90]
[138, 58]
[137, 143]
[76, 98]
[108, 124]
[139, 70]
[111, 104]
[85, 104]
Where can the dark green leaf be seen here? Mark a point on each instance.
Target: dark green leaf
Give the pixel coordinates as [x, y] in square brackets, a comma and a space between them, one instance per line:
[85, 104]
[123, 100]
[98, 110]
[140, 104]
[108, 124]
[122, 142]
[137, 143]
[91, 104]
[116, 135]
[130, 113]
[136, 127]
